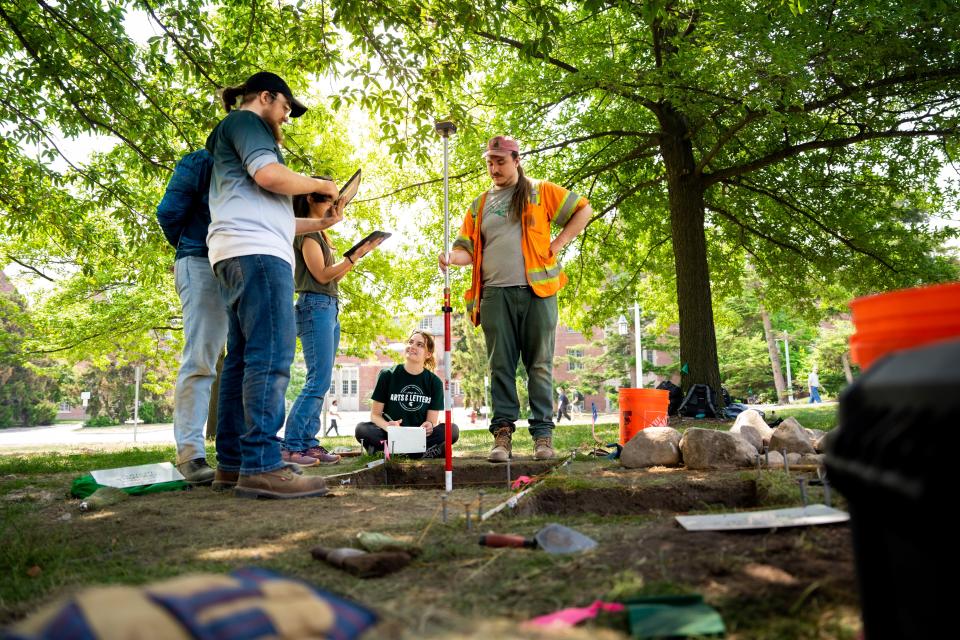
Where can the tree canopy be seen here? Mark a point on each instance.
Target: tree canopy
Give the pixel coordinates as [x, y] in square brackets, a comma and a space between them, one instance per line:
[806, 136]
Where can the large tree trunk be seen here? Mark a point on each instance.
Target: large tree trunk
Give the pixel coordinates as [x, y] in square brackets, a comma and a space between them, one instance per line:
[698, 342]
[778, 382]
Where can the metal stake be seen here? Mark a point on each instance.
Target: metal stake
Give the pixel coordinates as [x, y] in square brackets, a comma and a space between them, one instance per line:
[466, 508]
[443, 504]
[480, 495]
[509, 478]
[803, 490]
[826, 492]
[786, 464]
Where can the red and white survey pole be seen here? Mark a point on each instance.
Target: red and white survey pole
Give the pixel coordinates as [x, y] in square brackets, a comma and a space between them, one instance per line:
[445, 128]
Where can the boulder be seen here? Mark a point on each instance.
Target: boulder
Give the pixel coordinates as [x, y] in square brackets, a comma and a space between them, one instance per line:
[710, 449]
[751, 434]
[791, 436]
[823, 444]
[776, 460]
[652, 447]
[811, 458]
[753, 418]
[794, 458]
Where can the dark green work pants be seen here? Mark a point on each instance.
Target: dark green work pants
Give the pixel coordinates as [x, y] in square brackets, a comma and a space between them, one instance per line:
[519, 325]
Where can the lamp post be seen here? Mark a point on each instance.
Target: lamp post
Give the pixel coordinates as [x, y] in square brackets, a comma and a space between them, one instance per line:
[623, 328]
[786, 350]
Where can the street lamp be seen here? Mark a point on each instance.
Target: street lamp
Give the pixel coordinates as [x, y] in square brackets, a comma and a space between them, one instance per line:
[623, 328]
[786, 350]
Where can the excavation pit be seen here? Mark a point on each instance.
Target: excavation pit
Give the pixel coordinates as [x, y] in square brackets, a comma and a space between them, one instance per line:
[430, 475]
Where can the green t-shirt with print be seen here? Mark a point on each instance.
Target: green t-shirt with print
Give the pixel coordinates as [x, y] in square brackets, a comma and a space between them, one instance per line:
[407, 397]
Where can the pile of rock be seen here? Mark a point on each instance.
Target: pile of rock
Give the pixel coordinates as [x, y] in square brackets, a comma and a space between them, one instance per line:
[711, 449]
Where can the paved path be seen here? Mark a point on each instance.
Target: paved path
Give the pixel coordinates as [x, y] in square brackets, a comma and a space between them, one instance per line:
[72, 435]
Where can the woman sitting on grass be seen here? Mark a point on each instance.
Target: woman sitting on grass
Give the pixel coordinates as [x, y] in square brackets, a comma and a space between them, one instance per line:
[408, 395]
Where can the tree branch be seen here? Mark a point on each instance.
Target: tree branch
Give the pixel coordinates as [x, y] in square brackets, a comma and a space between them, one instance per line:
[30, 267]
[516, 44]
[71, 26]
[732, 218]
[178, 45]
[93, 122]
[826, 229]
[788, 152]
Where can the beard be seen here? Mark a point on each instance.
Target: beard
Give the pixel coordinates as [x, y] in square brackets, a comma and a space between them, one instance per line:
[277, 133]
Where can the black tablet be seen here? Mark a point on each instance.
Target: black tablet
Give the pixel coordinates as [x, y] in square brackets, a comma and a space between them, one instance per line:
[347, 191]
[373, 236]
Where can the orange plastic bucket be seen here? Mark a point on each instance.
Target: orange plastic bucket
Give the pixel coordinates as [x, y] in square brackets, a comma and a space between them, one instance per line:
[642, 408]
[903, 319]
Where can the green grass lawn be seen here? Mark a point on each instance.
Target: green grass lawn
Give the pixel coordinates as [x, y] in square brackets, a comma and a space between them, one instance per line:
[814, 416]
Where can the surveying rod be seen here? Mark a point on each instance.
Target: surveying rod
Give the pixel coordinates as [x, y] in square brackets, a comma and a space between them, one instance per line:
[445, 128]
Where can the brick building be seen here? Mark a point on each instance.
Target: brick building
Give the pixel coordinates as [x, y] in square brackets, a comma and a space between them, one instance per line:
[354, 378]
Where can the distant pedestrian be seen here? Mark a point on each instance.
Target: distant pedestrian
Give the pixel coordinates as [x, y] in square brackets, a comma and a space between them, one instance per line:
[334, 414]
[563, 405]
[813, 383]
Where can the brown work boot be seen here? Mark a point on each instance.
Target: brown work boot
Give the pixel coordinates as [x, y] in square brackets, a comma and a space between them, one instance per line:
[543, 448]
[502, 445]
[281, 483]
[224, 480]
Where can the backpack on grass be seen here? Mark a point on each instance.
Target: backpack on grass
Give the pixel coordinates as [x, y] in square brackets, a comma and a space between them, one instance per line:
[698, 403]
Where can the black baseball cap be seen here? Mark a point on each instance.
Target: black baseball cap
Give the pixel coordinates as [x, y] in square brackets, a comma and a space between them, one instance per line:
[266, 81]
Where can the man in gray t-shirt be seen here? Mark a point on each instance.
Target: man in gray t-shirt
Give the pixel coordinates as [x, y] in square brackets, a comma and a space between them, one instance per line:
[251, 250]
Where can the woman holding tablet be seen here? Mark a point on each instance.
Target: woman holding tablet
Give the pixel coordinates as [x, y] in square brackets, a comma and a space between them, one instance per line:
[315, 277]
[408, 395]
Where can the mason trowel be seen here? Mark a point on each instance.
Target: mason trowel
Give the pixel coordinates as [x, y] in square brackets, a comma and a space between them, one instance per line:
[553, 538]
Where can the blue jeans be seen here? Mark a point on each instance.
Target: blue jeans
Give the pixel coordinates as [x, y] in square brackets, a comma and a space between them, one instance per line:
[815, 395]
[204, 334]
[319, 331]
[257, 290]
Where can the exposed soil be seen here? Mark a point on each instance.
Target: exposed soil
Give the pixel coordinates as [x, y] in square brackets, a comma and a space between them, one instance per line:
[678, 497]
[430, 475]
[790, 583]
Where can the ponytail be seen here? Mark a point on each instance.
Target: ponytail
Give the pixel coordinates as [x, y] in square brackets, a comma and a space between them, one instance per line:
[229, 96]
[521, 194]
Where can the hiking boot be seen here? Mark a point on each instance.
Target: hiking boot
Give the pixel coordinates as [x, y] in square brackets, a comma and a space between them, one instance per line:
[543, 448]
[321, 454]
[502, 445]
[197, 472]
[225, 480]
[299, 458]
[281, 483]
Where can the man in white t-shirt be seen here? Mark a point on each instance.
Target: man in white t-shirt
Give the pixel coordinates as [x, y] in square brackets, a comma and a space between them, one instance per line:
[813, 383]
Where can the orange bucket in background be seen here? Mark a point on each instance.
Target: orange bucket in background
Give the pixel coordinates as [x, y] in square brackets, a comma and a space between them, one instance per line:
[642, 408]
[888, 322]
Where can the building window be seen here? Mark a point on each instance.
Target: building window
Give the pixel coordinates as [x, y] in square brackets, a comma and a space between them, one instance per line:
[426, 324]
[65, 407]
[574, 359]
[648, 355]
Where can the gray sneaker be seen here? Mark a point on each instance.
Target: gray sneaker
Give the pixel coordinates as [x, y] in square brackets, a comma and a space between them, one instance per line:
[502, 445]
[197, 472]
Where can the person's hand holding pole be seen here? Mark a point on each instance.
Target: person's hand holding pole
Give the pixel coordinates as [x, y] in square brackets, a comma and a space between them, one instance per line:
[458, 258]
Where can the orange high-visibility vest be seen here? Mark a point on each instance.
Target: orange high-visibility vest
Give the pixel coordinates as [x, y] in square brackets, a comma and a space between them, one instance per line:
[548, 204]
